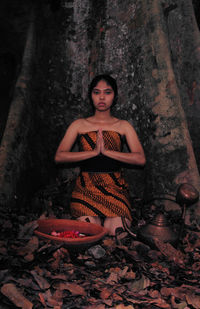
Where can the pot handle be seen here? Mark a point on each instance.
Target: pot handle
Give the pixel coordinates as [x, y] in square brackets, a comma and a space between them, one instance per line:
[127, 229]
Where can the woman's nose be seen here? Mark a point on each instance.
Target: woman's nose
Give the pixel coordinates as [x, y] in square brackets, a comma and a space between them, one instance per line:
[102, 95]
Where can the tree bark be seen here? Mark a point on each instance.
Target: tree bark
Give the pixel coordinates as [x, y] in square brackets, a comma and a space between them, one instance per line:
[172, 161]
[185, 52]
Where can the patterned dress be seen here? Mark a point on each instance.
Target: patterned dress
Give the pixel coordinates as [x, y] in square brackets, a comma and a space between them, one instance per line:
[100, 189]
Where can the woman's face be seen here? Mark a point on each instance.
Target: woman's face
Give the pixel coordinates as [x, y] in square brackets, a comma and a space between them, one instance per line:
[102, 96]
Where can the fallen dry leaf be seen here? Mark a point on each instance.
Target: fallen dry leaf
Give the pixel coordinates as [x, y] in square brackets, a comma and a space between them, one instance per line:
[58, 296]
[30, 247]
[122, 306]
[113, 278]
[171, 253]
[26, 231]
[130, 275]
[140, 284]
[179, 305]
[193, 299]
[105, 293]
[42, 299]
[42, 282]
[16, 296]
[74, 288]
[154, 293]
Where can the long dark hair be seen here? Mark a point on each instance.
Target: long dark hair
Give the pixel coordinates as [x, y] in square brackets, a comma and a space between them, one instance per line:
[109, 80]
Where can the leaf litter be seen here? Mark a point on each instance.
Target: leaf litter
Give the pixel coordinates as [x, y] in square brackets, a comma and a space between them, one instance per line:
[117, 273]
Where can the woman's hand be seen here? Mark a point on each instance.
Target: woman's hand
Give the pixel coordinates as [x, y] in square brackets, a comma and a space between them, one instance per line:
[64, 153]
[100, 142]
[136, 155]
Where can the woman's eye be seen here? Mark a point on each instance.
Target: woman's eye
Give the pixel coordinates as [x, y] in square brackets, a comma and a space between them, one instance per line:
[96, 92]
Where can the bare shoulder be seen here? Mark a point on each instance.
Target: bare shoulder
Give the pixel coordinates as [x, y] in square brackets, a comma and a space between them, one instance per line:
[126, 125]
[76, 124]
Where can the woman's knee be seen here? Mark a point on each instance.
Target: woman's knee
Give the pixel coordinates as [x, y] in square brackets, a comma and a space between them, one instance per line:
[91, 219]
[112, 223]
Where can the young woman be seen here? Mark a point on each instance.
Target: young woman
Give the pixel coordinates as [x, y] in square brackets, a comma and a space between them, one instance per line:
[101, 195]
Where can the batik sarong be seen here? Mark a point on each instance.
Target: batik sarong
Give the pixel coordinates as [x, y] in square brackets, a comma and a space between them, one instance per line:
[100, 189]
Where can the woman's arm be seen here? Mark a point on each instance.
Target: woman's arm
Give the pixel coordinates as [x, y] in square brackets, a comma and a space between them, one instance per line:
[136, 155]
[64, 153]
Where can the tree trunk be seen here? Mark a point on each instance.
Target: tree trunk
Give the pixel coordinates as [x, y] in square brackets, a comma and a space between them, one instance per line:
[140, 43]
[172, 160]
[185, 53]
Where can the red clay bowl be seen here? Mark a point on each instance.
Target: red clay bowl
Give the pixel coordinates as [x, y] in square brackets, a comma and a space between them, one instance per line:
[94, 232]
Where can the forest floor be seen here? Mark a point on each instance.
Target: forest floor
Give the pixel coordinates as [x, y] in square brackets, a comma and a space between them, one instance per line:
[118, 272]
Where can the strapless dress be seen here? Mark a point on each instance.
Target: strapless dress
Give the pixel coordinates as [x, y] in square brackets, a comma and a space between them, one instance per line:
[100, 188]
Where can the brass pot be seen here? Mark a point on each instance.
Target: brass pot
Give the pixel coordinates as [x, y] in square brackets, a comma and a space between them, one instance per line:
[158, 228]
